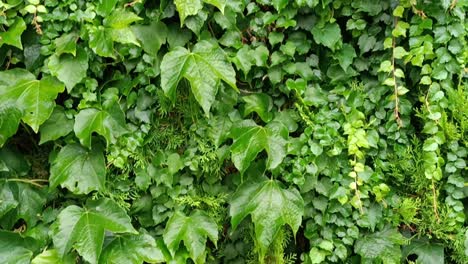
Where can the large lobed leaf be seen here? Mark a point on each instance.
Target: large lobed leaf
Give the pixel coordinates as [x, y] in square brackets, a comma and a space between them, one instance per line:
[78, 169]
[36, 98]
[250, 139]
[204, 68]
[270, 206]
[84, 228]
[193, 230]
[383, 246]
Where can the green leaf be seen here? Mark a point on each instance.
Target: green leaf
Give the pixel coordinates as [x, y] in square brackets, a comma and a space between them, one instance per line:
[399, 52]
[345, 56]
[66, 44]
[270, 206]
[250, 139]
[123, 35]
[329, 36]
[383, 245]
[427, 252]
[187, 8]
[79, 170]
[110, 125]
[15, 249]
[100, 41]
[204, 68]
[20, 201]
[280, 4]
[84, 228]
[261, 104]
[193, 230]
[35, 98]
[51, 256]
[10, 117]
[151, 36]
[13, 35]
[220, 4]
[69, 69]
[58, 125]
[105, 7]
[121, 18]
[134, 249]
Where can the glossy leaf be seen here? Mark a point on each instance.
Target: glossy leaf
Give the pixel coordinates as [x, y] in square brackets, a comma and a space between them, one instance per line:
[83, 228]
[110, 125]
[250, 139]
[259, 103]
[78, 169]
[68, 68]
[66, 44]
[271, 207]
[13, 35]
[58, 125]
[16, 249]
[151, 36]
[193, 231]
[329, 35]
[20, 201]
[427, 252]
[51, 256]
[35, 98]
[187, 8]
[204, 68]
[383, 245]
[134, 249]
[10, 117]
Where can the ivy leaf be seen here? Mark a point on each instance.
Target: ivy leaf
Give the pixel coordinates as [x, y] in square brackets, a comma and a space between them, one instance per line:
[270, 206]
[51, 256]
[20, 201]
[101, 42]
[69, 69]
[10, 117]
[383, 245]
[187, 8]
[66, 44]
[13, 35]
[250, 139]
[79, 170]
[121, 18]
[134, 249]
[110, 125]
[58, 125]
[280, 4]
[345, 56]
[427, 252]
[204, 68]
[84, 228]
[105, 7]
[35, 98]
[16, 249]
[151, 36]
[261, 104]
[193, 230]
[329, 36]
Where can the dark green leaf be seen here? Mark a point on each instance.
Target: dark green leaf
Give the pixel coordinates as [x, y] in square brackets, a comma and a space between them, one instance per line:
[270, 206]
[79, 170]
[193, 230]
[69, 69]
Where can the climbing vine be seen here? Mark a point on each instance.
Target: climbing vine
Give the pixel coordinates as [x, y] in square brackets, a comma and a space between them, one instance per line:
[214, 131]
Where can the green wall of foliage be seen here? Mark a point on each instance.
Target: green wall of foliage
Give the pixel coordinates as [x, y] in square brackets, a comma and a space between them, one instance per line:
[233, 131]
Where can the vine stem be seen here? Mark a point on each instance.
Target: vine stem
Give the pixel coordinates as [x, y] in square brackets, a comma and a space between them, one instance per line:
[395, 90]
[35, 182]
[434, 201]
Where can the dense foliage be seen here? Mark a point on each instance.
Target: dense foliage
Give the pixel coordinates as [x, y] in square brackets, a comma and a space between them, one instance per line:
[215, 131]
